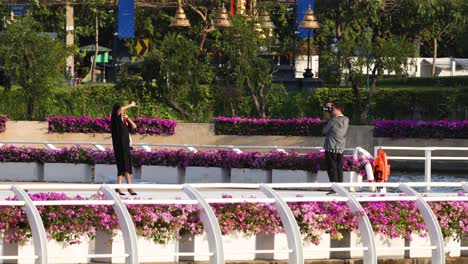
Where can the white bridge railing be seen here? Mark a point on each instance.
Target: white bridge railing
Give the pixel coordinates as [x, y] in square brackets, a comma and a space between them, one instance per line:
[428, 157]
[273, 195]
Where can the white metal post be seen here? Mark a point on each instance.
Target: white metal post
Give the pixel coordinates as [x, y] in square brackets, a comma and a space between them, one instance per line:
[427, 168]
[293, 233]
[433, 227]
[364, 224]
[125, 223]
[465, 186]
[36, 224]
[210, 223]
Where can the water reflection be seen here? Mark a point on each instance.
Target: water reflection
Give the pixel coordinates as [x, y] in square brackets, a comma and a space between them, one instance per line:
[399, 176]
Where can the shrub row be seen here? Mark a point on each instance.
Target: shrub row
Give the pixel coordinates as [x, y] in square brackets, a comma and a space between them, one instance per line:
[424, 81]
[161, 223]
[311, 127]
[3, 121]
[145, 126]
[421, 129]
[387, 103]
[181, 158]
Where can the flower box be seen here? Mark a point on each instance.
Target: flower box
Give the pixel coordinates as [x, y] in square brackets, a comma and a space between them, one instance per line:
[148, 251]
[417, 243]
[67, 172]
[382, 244]
[206, 175]
[250, 176]
[21, 171]
[235, 242]
[58, 252]
[279, 242]
[285, 176]
[163, 174]
[106, 172]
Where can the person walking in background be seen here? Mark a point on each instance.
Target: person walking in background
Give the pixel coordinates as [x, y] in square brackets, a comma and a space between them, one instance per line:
[121, 125]
[335, 131]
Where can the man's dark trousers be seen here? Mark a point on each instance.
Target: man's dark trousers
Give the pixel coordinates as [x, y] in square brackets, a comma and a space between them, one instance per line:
[334, 166]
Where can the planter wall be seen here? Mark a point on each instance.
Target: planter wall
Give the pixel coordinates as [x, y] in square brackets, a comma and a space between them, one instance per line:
[206, 175]
[21, 171]
[279, 242]
[353, 239]
[452, 247]
[58, 252]
[148, 251]
[286, 176]
[106, 172]
[66, 172]
[235, 241]
[162, 174]
[250, 176]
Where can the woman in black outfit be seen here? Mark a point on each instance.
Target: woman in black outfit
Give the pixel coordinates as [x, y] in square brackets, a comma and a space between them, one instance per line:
[120, 127]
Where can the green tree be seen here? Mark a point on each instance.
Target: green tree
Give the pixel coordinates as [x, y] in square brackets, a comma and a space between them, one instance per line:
[175, 77]
[33, 60]
[444, 21]
[242, 67]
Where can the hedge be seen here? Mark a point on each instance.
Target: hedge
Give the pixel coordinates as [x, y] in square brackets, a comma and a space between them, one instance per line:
[145, 126]
[425, 81]
[3, 121]
[311, 127]
[415, 103]
[82, 100]
[421, 129]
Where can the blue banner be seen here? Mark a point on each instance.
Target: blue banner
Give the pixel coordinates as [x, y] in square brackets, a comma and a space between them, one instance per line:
[18, 10]
[302, 6]
[126, 27]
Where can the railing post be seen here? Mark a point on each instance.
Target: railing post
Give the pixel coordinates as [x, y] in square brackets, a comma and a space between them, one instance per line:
[433, 227]
[36, 224]
[427, 168]
[125, 223]
[365, 227]
[465, 186]
[291, 228]
[210, 222]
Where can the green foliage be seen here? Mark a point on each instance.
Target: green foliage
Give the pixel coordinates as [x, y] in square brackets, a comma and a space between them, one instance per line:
[243, 71]
[185, 89]
[89, 100]
[424, 82]
[32, 60]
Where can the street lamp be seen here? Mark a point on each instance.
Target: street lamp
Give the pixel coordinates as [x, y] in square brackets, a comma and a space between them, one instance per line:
[180, 19]
[309, 22]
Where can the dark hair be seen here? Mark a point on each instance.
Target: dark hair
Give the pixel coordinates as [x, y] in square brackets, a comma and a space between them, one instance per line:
[115, 109]
[338, 106]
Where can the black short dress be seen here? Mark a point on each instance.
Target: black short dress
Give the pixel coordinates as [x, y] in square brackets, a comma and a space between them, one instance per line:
[121, 143]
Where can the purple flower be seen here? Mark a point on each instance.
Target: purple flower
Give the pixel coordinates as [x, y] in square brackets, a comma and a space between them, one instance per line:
[311, 161]
[85, 124]
[280, 127]
[421, 129]
[3, 121]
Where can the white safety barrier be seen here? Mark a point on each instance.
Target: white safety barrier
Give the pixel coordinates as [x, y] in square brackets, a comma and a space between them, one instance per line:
[427, 157]
[217, 250]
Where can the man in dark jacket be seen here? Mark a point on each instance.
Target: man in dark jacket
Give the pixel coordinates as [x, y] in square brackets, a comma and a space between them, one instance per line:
[335, 131]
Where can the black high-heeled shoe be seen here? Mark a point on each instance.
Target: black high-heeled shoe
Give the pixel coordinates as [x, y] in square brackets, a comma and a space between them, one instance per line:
[132, 192]
[119, 192]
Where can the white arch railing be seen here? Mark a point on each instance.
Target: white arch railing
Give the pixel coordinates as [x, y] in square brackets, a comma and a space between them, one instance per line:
[209, 220]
